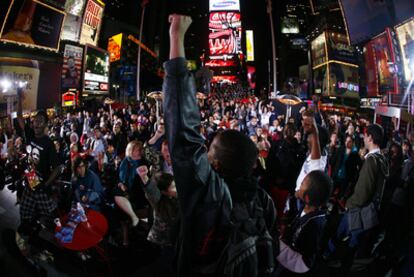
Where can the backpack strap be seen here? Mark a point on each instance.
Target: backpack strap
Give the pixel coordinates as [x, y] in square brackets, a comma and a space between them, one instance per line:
[301, 226]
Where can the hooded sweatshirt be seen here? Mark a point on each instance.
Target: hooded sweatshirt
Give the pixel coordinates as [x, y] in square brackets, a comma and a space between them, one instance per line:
[371, 181]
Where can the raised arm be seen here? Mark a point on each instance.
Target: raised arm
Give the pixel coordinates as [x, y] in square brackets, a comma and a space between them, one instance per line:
[182, 117]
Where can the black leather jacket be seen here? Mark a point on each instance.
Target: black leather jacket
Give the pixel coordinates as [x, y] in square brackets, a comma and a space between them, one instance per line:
[204, 198]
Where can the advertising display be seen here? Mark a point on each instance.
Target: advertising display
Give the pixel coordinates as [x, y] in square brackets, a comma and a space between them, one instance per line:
[383, 60]
[251, 76]
[114, 48]
[405, 34]
[249, 46]
[371, 71]
[96, 71]
[367, 18]
[33, 23]
[92, 21]
[318, 46]
[71, 28]
[320, 80]
[290, 25]
[73, 22]
[72, 66]
[225, 34]
[339, 49]
[343, 80]
[69, 99]
[224, 5]
[298, 43]
[75, 7]
[26, 74]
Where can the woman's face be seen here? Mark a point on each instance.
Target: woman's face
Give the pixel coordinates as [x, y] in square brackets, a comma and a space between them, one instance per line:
[136, 153]
[172, 190]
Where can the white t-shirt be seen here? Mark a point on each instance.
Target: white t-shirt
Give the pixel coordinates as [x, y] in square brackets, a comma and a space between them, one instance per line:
[308, 166]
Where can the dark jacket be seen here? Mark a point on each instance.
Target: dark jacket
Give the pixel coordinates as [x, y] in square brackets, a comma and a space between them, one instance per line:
[371, 181]
[204, 197]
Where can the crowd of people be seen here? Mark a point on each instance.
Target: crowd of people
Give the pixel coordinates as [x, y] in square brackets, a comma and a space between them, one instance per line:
[309, 188]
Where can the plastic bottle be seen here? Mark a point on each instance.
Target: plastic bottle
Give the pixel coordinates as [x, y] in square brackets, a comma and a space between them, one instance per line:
[81, 212]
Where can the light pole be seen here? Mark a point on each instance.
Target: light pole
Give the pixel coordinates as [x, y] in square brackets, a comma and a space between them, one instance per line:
[141, 25]
[269, 11]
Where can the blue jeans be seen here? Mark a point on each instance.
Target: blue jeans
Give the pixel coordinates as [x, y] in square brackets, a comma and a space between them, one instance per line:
[343, 232]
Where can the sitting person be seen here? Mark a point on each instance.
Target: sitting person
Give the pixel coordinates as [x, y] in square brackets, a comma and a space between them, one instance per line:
[87, 187]
[299, 246]
[162, 195]
[129, 195]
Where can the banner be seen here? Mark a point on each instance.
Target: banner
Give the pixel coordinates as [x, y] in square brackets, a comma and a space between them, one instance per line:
[249, 46]
[405, 34]
[71, 28]
[33, 23]
[92, 21]
[114, 48]
[225, 33]
[371, 71]
[96, 71]
[384, 64]
[318, 46]
[30, 75]
[72, 65]
[224, 5]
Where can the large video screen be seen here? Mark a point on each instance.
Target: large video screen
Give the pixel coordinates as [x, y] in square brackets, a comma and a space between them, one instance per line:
[96, 71]
[224, 5]
[343, 80]
[405, 34]
[290, 25]
[367, 18]
[225, 33]
[92, 21]
[33, 23]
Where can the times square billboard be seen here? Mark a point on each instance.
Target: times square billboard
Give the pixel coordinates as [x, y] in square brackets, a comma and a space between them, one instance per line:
[224, 34]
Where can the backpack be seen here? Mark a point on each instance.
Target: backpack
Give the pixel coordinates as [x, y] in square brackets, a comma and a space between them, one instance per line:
[249, 250]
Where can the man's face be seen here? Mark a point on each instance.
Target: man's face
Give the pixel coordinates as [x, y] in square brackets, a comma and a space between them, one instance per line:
[348, 143]
[166, 153]
[367, 140]
[39, 125]
[81, 170]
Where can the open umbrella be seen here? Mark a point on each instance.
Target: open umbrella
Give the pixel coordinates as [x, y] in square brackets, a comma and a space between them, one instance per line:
[289, 99]
[156, 95]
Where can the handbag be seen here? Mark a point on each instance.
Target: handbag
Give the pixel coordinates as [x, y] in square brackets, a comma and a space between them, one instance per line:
[367, 217]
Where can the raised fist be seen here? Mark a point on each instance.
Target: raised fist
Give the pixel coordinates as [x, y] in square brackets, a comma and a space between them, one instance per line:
[179, 24]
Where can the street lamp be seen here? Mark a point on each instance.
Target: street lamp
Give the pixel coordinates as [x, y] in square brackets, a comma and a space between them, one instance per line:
[141, 25]
[269, 11]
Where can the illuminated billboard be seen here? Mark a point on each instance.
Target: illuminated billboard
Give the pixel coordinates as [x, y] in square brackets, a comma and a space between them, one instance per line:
[96, 71]
[405, 34]
[73, 22]
[249, 46]
[72, 65]
[371, 72]
[33, 23]
[387, 79]
[290, 25]
[224, 5]
[114, 48]
[318, 46]
[225, 34]
[339, 48]
[92, 21]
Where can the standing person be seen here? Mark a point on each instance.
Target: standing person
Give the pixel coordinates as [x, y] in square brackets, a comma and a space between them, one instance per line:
[162, 195]
[36, 199]
[214, 187]
[368, 191]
